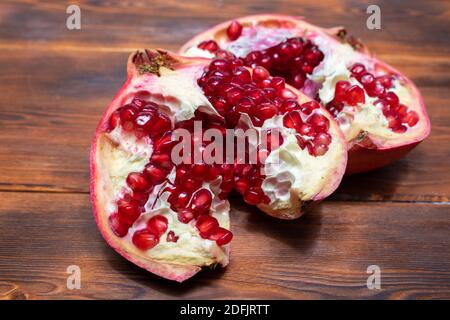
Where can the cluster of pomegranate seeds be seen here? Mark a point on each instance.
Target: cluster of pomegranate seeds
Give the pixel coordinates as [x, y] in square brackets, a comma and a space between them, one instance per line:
[209, 228]
[397, 114]
[187, 196]
[142, 118]
[292, 59]
[148, 237]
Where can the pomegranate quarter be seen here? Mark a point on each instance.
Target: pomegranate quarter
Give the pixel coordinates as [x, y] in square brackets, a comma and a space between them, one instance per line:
[379, 110]
[168, 212]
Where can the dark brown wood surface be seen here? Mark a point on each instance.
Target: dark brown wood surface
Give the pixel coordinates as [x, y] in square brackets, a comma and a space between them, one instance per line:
[55, 84]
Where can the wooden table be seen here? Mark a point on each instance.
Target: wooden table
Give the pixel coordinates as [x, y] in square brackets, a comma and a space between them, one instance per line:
[55, 84]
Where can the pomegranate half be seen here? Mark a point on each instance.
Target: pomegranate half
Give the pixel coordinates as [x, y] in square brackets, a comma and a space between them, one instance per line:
[172, 217]
[379, 110]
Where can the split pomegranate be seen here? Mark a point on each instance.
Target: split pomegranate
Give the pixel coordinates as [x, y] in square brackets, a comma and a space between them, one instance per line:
[167, 211]
[379, 110]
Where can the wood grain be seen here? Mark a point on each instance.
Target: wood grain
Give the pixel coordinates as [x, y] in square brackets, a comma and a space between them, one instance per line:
[56, 83]
[324, 254]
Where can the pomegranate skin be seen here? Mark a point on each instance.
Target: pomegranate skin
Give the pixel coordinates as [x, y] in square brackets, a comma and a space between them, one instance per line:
[374, 153]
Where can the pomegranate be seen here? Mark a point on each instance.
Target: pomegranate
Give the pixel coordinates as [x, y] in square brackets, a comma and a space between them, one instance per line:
[379, 110]
[171, 217]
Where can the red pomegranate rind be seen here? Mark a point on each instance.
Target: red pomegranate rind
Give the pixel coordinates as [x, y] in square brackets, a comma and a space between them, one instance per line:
[406, 137]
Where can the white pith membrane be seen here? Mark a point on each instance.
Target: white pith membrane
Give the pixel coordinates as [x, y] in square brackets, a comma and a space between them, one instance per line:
[356, 122]
[292, 174]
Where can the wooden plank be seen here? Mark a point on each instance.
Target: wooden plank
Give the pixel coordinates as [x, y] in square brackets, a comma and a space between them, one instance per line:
[324, 254]
[51, 102]
[407, 27]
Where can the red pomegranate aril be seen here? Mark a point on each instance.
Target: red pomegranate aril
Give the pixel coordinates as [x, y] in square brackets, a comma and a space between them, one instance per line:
[392, 99]
[400, 129]
[366, 79]
[157, 225]
[209, 45]
[411, 118]
[161, 125]
[171, 237]
[306, 130]
[243, 74]
[252, 197]
[266, 111]
[357, 69]
[401, 110]
[320, 150]
[322, 138]
[114, 120]
[144, 239]
[206, 224]
[292, 120]
[154, 173]
[137, 182]
[128, 113]
[355, 95]
[220, 104]
[234, 30]
[386, 81]
[288, 94]
[233, 95]
[278, 83]
[185, 215]
[393, 121]
[319, 122]
[201, 201]
[340, 92]
[298, 80]
[219, 64]
[222, 236]
[260, 73]
[164, 144]
[289, 105]
[119, 227]
[162, 160]
[241, 185]
[179, 199]
[308, 107]
[128, 211]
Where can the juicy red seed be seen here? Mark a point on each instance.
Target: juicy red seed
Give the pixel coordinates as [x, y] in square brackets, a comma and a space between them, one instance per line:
[144, 239]
[340, 91]
[376, 89]
[288, 94]
[201, 201]
[220, 104]
[171, 237]
[298, 80]
[209, 45]
[157, 225]
[393, 121]
[411, 118]
[162, 160]
[241, 185]
[252, 197]
[400, 129]
[392, 99]
[319, 150]
[164, 144]
[260, 73]
[366, 79]
[243, 74]
[233, 95]
[128, 113]
[289, 105]
[401, 110]
[179, 199]
[266, 111]
[114, 120]
[306, 130]
[137, 182]
[234, 30]
[386, 81]
[308, 107]
[154, 173]
[206, 224]
[119, 227]
[355, 95]
[185, 215]
[322, 138]
[357, 69]
[161, 125]
[319, 122]
[222, 236]
[292, 120]
[278, 83]
[128, 211]
[219, 64]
